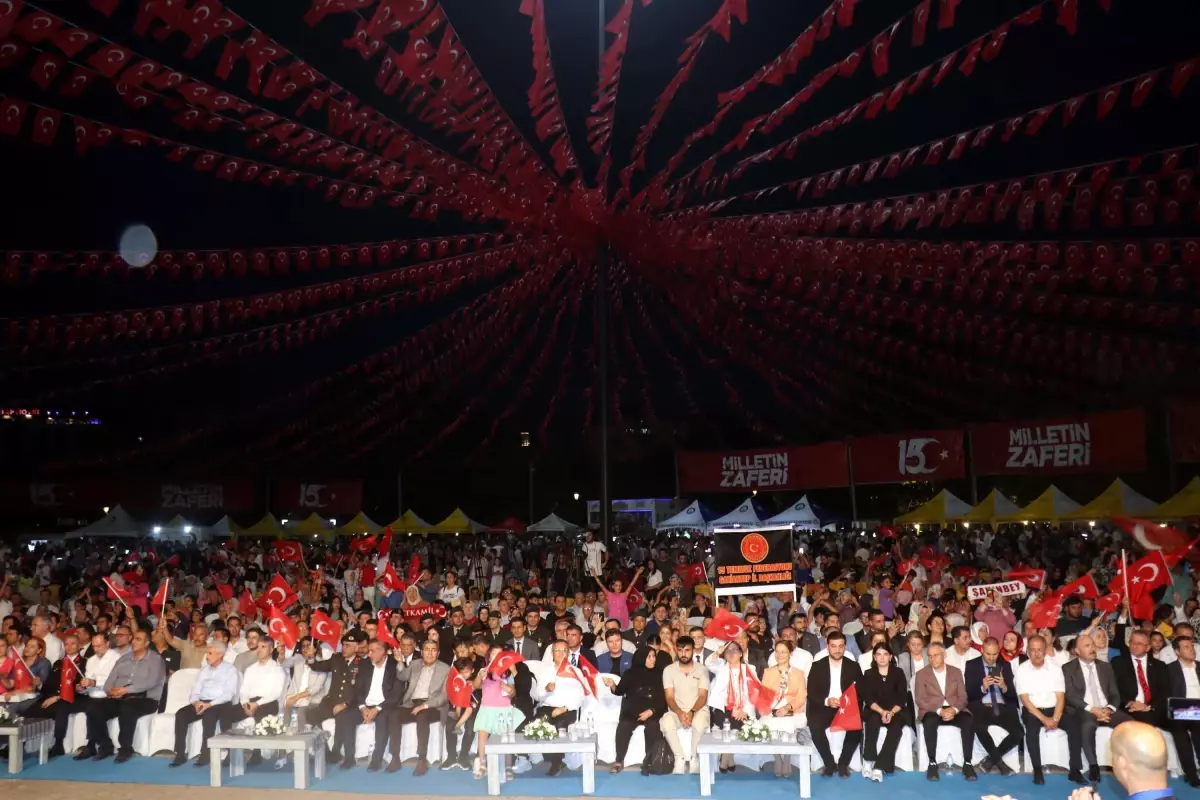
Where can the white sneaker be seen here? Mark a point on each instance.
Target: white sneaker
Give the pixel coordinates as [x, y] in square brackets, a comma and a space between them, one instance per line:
[694, 766]
[679, 768]
[877, 775]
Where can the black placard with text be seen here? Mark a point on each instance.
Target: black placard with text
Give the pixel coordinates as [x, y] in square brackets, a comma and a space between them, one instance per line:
[750, 561]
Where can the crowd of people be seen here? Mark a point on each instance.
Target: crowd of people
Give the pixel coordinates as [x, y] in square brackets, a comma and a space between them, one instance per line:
[485, 636]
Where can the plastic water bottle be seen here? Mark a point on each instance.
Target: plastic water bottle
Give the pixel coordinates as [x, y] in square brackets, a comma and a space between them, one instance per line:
[292, 725]
[726, 732]
[589, 724]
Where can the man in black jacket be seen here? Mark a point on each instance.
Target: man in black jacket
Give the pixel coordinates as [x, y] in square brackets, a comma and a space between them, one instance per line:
[376, 692]
[343, 671]
[824, 694]
[1142, 681]
[992, 700]
[53, 703]
[1185, 682]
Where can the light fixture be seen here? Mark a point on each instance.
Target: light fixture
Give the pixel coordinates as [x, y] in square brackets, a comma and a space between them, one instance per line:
[577, 495]
[1025, 523]
[524, 438]
[157, 529]
[966, 525]
[917, 526]
[187, 528]
[755, 493]
[105, 509]
[1091, 523]
[332, 521]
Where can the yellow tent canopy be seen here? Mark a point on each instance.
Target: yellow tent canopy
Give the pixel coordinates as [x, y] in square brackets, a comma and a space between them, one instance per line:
[943, 508]
[313, 523]
[1119, 500]
[1184, 505]
[409, 522]
[1050, 506]
[993, 506]
[265, 528]
[361, 524]
[458, 522]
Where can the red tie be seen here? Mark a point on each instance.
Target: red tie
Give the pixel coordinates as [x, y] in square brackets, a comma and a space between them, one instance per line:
[1141, 676]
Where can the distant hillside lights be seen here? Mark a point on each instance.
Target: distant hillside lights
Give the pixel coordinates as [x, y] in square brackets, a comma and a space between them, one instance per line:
[48, 417]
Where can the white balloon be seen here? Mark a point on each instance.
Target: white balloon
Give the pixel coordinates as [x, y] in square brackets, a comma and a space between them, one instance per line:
[138, 245]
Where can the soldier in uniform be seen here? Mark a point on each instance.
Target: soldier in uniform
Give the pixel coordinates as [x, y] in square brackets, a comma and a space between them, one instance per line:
[344, 669]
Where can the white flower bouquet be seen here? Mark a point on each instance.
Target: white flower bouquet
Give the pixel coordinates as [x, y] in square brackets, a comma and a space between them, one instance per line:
[542, 730]
[7, 717]
[269, 726]
[754, 732]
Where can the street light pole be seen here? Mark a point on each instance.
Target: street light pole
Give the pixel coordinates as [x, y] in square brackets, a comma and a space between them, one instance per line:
[602, 328]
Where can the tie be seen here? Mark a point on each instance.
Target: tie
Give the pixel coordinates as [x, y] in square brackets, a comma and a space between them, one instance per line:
[574, 659]
[1141, 677]
[995, 693]
[1093, 689]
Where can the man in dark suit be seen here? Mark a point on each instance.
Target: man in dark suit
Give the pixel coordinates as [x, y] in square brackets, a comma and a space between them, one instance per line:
[831, 677]
[992, 700]
[521, 643]
[1185, 682]
[375, 694]
[1092, 702]
[450, 633]
[1142, 682]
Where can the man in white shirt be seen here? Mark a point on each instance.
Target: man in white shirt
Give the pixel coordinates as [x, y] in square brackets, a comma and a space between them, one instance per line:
[262, 687]
[595, 556]
[961, 652]
[101, 663]
[238, 643]
[564, 697]
[1042, 690]
[210, 702]
[1092, 700]
[54, 646]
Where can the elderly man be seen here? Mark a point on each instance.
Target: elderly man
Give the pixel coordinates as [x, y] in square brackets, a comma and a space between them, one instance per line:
[1092, 702]
[565, 694]
[1042, 690]
[1139, 755]
[193, 651]
[40, 627]
[424, 702]
[941, 699]
[133, 690]
[212, 696]
[62, 695]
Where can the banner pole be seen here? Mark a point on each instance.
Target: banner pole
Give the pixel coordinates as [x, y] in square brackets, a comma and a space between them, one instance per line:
[850, 475]
[1125, 577]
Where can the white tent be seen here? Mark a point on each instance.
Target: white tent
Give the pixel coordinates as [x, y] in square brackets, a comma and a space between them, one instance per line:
[224, 528]
[744, 516]
[552, 523]
[694, 517]
[798, 515]
[178, 529]
[116, 522]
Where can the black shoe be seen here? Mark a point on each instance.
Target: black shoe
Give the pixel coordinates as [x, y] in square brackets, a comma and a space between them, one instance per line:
[986, 765]
[421, 768]
[1004, 769]
[828, 771]
[464, 761]
[204, 760]
[394, 765]
[1193, 780]
[969, 773]
[843, 771]
[932, 773]
[449, 763]
[374, 766]
[56, 751]
[84, 754]
[1039, 778]
[255, 759]
[1094, 773]
[555, 768]
[349, 763]
[102, 754]
[123, 756]
[179, 760]
[1076, 776]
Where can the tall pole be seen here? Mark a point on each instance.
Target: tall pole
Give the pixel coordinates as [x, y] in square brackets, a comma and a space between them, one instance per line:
[602, 325]
[532, 518]
[400, 492]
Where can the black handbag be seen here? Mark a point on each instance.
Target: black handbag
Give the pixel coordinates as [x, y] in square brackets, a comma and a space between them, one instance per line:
[659, 759]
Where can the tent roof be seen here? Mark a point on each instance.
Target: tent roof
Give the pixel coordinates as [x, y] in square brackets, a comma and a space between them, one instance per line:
[267, 527]
[744, 515]
[509, 524]
[553, 523]
[1183, 505]
[1119, 499]
[942, 508]
[458, 522]
[179, 522]
[993, 506]
[359, 525]
[313, 523]
[696, 515]
[1051, 505]
[116, 522]
[799, 513]
[409, 522]
[225, 527]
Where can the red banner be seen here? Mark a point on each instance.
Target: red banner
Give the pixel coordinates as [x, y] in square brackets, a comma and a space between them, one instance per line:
[1185, 429]
[66, 497]
[293, 496]
[231, 494]
[818, 466]
[923, 456]
[1109, 442]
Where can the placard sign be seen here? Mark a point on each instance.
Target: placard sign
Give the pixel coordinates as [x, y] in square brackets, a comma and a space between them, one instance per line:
[1006, 589]
[753, 561]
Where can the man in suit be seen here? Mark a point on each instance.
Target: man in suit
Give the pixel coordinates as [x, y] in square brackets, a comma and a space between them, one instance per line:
[1184, 674]
[424, 702]
[831, 677]
[992, 700]
[576, 652]
[1142, 681]
[941, 698]
[375, 694]
[521, 643]
[614, 660]
[1092, 700]
[454, 628]
[55, 703]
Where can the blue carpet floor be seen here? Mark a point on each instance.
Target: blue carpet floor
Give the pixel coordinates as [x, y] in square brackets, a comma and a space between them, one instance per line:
[764, 786]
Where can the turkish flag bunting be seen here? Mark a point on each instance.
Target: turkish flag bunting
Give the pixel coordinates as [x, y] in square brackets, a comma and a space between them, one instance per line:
[246, 606]
[1033, 578]
[458, 689]
[363, 546]
[325, 629]
[848, 716]
[725, 626]
[1046, 613]
[504, 661]
[1084, 587]
[391, 580]
[385, 543]
[281, 628]
[118, 592]
[160, 597]
[289, 551]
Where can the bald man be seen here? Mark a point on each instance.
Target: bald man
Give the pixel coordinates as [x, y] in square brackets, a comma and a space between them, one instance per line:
[1139, 756]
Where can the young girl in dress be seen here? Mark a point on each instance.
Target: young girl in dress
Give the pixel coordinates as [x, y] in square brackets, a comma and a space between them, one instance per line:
[617, 599]
[496, 710]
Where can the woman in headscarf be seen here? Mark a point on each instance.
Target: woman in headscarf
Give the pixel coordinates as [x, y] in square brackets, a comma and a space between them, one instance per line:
[1012, 647]
[979, 635]
[644, 702]
[787, 683]
[729, 694]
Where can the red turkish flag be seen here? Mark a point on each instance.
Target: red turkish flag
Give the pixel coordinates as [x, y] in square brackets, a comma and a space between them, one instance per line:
[12, 112]
[691, 574]
[67, 678]
[920, 22]
[382, 632]
[246, 606]
[946, 13]
[363, 546]
[504, 661]
[458, 689]
[414, 569]
[278, 593]
[1033, 578]
[724, 626]
[1046, 613]
[160, 597]
[289, 551]
[887, 532]
[848, 716]
[118, 592]
[635, 599]
[1152, 536]
[760, 696]
[1109, 603]
[905, 567]
[1084, 587]
[281, 628]
[966, 573]
[385, 543]
[325, 629]
[21, 677]
[223, 589]
[580, 674]
[8, 16]
[391, 580]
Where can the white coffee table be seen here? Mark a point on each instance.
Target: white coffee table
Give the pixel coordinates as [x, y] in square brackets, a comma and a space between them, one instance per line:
[524, 747]
[711, 747]
[300, 745]
[27, 730]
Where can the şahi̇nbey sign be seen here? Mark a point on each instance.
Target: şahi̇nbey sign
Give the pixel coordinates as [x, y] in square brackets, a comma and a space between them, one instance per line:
[753, 561]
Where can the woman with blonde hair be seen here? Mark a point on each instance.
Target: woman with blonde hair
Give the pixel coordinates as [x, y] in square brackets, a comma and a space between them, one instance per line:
[788, 710]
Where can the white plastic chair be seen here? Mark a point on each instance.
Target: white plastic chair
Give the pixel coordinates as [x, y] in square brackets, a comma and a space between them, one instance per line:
[949, 748]
[162, 725]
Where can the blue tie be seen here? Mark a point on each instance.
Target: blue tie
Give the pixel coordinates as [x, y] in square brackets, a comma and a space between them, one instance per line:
[995, 700]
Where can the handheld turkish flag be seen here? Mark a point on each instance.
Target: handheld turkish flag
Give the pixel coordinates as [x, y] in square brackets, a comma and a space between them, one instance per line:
[724, 626]
[876, 563]
[565, 670]
[887, 532]
[458, 689]
[905, 567]
[691, 574]
[966, 573]
[279, 593]
[225, 590]
[391, 580]
[118, 592]
[1084, 587]
[173, 561]
[160, 597]
[22, 678]
[848, 716]
[504, 661]
[1033, 578]
[67, 678]
[246, 606]
[635, 599]
[289, 551]
[760, 696]
[1109, 603]
[383, 633]
[364, 546]
[282, 629]
[1046, 613]
[1145, 575]
[325, 629]
[385, 544]
[414, 569]
[1153, 536]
